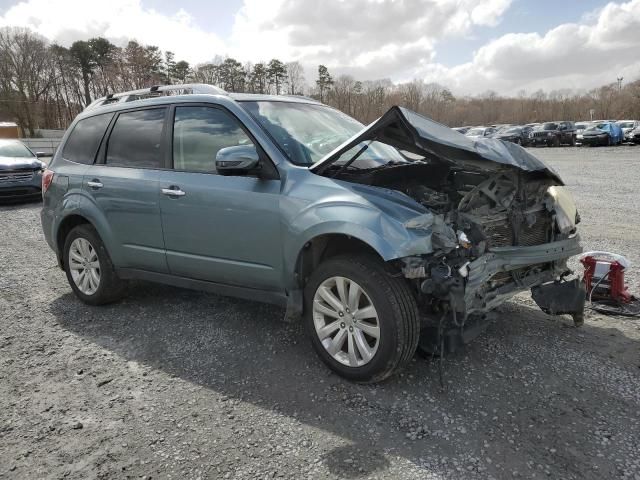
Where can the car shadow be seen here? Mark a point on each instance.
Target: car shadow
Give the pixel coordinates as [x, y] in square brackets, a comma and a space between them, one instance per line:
[10, 202]
[243, 350]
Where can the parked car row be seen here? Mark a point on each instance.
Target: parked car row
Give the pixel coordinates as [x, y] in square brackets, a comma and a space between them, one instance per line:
[558, 133]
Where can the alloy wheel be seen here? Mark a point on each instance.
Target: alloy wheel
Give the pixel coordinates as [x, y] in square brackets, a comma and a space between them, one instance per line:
[346, 321]
[84, 266]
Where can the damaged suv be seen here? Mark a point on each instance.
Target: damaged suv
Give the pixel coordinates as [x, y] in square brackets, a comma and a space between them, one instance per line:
[383, 239]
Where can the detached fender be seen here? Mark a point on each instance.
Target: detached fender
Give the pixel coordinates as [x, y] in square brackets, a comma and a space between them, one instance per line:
[385, 234]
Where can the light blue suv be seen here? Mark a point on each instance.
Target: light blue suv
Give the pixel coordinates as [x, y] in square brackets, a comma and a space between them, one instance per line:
[383, 239]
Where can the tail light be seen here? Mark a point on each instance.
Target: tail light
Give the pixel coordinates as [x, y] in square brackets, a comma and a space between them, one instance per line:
[47, 178]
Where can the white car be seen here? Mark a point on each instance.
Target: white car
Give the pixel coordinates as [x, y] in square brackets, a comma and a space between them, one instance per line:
[580, 127]
[627, 126]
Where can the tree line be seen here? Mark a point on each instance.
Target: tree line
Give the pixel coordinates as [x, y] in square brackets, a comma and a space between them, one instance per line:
[45, 85]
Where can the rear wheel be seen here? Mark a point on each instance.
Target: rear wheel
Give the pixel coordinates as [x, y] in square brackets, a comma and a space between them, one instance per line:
[556, 141]
[363, 322]
[573, 141]
[89, 269]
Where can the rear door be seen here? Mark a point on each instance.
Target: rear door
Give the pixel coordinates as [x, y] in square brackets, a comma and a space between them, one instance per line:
[219, 228]
[124, 185]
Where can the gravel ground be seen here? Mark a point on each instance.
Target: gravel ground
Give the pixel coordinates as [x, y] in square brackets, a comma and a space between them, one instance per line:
[172, 383]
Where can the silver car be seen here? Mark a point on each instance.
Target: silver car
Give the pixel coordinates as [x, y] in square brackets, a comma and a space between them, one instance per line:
[384, 239]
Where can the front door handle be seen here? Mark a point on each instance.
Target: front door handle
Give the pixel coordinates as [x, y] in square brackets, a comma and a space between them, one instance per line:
[173, 192]
[95, 183]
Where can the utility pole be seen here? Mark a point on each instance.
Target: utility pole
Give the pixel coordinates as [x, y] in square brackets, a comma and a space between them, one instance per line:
[619, 79]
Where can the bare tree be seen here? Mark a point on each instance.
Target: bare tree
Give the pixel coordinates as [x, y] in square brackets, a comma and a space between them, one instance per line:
[25, 73]
[295, 77]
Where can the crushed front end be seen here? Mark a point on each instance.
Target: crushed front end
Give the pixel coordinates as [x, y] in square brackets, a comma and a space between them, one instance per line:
[500, 235]
[496, 221]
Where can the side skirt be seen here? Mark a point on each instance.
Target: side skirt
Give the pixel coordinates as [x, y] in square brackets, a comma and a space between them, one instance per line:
[262, 296]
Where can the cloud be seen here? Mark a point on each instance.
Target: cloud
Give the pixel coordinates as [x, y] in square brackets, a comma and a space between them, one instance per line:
[373, 38]
[369, 39]
[119, 20]
[572, 55]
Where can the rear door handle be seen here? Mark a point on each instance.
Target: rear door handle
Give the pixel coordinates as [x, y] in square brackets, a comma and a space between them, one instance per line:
[173, 192]
[95, 183]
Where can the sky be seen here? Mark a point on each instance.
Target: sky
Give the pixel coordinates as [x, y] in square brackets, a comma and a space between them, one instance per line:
[470, 46]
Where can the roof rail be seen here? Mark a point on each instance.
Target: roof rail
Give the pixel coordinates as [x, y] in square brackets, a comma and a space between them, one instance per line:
[157, 91]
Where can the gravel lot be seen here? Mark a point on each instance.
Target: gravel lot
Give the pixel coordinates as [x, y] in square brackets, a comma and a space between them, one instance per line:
[179, 384]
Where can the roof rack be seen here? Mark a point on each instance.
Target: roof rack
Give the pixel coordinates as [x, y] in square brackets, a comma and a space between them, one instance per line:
[157, 91]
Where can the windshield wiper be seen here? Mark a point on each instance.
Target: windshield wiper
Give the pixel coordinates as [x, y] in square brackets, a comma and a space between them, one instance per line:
[352, 159]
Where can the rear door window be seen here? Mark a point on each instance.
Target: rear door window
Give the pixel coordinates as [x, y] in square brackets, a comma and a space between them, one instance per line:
[84, 140]
[136, 139]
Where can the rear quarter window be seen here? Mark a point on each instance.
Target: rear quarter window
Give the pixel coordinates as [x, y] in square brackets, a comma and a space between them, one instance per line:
[84, 140]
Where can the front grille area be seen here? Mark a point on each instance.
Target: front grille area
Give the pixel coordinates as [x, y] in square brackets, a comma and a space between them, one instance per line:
[500, 234]
[11, 177]
[539, 134]
[538, 233]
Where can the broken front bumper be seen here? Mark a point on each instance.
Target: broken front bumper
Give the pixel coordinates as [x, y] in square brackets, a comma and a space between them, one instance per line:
[472, 292]
[478, 297]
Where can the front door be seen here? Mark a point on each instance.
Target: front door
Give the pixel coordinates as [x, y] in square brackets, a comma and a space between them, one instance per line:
[220, 228]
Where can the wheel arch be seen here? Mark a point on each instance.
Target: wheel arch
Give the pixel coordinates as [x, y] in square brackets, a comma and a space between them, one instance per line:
[327, 245]
[83, 212]
[67, 224]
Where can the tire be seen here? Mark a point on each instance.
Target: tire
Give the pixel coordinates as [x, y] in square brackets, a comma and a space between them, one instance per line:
[556, 142]
[608, 141]
[573, 141]
[101, 289]
[397, 319]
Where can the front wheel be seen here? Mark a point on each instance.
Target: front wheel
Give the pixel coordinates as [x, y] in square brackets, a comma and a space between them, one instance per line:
[363, 321]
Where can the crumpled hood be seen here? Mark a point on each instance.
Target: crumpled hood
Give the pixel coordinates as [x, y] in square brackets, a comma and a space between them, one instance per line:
[19, 163]
[412, 132]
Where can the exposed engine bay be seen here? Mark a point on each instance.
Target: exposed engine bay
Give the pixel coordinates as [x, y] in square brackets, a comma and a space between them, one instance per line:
[493, 233]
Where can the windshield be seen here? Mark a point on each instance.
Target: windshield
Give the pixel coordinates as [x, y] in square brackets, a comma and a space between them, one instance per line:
[475, 132]
[512, 131]
[550, 126]
[581, 126]
[307, 132]
[599, 126]
[625, 124]
[14, 150]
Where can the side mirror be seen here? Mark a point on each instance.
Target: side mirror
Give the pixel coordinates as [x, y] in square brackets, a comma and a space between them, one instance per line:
[237, 160]
[41, 154]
